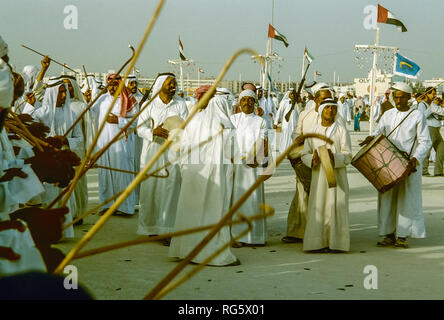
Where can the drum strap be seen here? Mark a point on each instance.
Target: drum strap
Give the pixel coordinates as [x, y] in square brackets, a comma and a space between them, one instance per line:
[400, 123]
[398, 126]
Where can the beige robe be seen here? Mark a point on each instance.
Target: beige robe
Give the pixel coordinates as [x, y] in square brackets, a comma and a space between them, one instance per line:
[327, 212]
[296, 220]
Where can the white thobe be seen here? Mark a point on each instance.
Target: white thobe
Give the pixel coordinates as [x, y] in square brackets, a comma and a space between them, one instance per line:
[287, 126]
[327, 212]
[400, 208]
[75, 140]
[120, 155]
[81, 189]
[205, 194]
[250, 128]
[343, 109]
[12, 193]
[159, 196]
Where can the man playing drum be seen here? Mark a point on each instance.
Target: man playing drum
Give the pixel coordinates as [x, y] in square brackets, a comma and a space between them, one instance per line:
[400, 212]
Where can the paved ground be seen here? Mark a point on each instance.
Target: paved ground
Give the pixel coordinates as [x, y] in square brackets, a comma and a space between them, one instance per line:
[279, 271]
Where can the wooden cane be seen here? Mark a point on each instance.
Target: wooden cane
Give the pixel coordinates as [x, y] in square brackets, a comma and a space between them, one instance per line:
[55, 61]
[200, 266]
[269, 171]
[116, 95]
[88, 236]
[142, 240]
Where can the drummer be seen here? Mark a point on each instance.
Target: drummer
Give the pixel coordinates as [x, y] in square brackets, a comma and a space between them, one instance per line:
[400, 212]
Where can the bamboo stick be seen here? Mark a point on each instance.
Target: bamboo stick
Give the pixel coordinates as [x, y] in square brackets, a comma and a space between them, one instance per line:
[180, 233]
[195, 270]
[116, 95]
[155, 291]
[153, 174]
[200, 266]
[162, 149]
[87, 213]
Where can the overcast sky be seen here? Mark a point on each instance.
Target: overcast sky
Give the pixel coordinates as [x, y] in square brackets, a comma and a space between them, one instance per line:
[211, 31]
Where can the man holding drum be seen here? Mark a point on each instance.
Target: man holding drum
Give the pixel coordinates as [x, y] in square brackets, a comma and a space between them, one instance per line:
[400, 212]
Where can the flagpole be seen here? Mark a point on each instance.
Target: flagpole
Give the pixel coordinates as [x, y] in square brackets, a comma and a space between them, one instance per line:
[334, 78]
[373, 80]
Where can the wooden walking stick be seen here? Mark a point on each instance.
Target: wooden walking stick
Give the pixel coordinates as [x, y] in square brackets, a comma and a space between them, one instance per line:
[88, 236]
[55, 61]
[116, 95]
[155, 291]
[180, 233]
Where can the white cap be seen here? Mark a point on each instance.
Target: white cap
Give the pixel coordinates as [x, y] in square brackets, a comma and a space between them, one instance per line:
[401, 86]
[319, 86]
[247, 93]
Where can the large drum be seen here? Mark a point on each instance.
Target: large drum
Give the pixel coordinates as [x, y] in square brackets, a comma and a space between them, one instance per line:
[382, 163]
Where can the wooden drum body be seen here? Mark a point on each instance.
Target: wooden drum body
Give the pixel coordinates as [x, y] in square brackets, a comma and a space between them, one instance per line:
[382, 163]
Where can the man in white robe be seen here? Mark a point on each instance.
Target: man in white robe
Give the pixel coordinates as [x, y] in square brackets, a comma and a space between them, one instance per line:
[250, 133]
[432, 113]
[56, 114]
[120, 155]
[308, 120]
[78, 105]
[287, 104]
[207, 182]
[400, 213]
[132, 84]
[159, 196]
[327, 213]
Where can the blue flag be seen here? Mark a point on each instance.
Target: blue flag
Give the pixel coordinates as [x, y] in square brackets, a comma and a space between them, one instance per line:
[405, 67]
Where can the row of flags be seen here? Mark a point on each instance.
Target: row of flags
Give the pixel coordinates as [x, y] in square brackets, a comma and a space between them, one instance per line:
[403, 66]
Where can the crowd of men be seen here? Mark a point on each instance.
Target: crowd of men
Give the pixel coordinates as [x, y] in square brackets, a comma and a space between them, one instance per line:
[220, 153]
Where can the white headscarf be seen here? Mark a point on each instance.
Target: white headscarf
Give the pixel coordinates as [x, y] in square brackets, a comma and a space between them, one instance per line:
[29, 75]
[3, 47]
[130, 78]
[78, 95]
[218, 108]
[247, 93]
[328, 102]
[49, 108]
[285, 98]
[224, 92]
[159, 83]
[94, 84]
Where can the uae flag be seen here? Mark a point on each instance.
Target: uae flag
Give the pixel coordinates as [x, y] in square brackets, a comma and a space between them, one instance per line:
[307, 55]
[182, 57]
[274, 34]
[385, 16]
